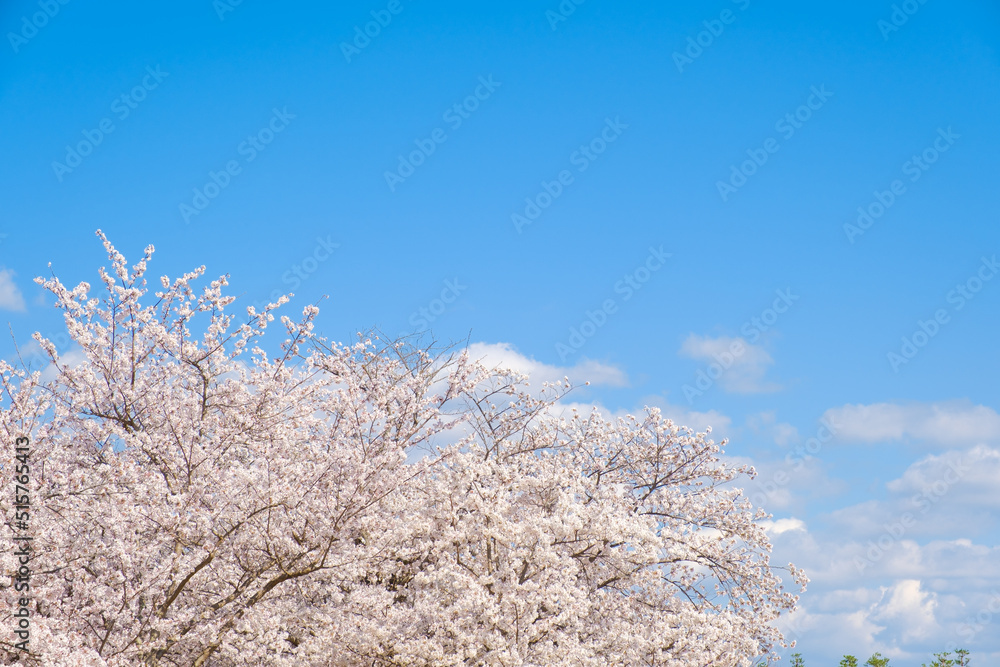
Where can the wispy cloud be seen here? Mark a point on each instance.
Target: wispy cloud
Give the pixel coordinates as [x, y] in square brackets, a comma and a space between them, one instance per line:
[946, 423]
[741, 366]
[10, 295]
[506, 355]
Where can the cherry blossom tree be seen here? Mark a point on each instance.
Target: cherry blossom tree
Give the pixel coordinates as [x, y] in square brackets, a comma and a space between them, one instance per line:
[199, 500]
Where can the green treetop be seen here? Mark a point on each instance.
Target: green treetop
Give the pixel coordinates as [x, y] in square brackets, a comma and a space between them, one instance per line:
[877, 661]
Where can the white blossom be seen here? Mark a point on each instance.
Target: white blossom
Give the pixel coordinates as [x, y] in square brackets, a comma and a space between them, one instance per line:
[205, 503]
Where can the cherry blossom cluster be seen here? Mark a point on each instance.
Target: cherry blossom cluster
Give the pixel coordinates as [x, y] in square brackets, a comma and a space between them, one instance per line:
[205, 500]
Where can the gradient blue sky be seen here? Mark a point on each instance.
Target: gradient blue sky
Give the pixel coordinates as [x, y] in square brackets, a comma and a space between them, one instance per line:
[519, 291]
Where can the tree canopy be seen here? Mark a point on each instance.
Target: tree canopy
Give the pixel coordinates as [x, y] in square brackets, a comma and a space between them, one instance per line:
[198, 501]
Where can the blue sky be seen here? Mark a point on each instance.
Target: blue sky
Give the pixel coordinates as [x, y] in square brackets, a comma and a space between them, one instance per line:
[257, 140]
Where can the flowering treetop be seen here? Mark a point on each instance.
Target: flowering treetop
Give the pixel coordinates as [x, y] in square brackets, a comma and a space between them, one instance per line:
[204, 503]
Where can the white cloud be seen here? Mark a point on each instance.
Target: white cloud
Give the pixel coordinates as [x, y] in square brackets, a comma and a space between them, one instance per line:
[742, 372]
[902, 574]
[947, 423]
[944, 498]
[10, 295]
[824, 633]
[783, 525]
[910, 609]
[870, 543]
[767, 423]
[893, 620]
[493, 355]
[974, 471]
